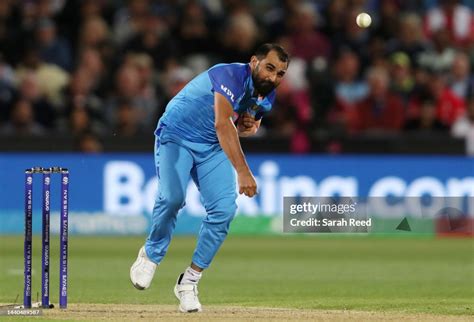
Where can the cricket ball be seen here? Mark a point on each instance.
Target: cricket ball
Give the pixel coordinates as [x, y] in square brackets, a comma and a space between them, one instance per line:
[363, 20]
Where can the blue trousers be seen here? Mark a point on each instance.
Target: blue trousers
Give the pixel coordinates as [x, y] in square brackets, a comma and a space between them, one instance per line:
[176, 162]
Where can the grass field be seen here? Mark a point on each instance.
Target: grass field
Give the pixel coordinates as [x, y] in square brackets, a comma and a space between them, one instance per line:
[396, 277]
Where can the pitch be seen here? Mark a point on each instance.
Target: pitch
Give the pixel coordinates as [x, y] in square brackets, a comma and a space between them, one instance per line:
[268, 277]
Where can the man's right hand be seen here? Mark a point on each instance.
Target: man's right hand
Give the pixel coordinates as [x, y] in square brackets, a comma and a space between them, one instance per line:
[247, 183]
[229, 141]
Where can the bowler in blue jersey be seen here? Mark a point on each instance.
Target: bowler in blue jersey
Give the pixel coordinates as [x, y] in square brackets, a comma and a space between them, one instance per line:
[197, 138]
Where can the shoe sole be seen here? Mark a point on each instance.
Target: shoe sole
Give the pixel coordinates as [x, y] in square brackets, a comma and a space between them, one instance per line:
[183, 310]
[138, 287]
[189, 311]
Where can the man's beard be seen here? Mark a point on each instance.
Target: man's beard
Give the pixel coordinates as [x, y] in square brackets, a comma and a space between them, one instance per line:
[261, 86]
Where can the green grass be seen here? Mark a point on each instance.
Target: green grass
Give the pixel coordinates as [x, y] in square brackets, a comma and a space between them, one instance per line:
[363, 273]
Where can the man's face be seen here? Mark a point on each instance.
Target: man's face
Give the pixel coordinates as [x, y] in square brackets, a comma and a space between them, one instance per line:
[267, 73]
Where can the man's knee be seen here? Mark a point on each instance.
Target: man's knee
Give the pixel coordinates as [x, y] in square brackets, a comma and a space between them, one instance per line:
[172, 202]
[222, 213]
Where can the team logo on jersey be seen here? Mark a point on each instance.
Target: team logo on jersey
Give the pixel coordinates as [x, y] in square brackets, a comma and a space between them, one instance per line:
[228, 92]
[254, 107]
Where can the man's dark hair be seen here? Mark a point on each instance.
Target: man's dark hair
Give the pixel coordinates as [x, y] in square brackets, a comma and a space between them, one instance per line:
[264, 49]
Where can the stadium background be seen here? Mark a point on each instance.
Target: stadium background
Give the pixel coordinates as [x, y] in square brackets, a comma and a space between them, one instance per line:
[82, 84]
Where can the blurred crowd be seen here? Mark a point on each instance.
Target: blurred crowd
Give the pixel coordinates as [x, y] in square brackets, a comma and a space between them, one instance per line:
[97, 68]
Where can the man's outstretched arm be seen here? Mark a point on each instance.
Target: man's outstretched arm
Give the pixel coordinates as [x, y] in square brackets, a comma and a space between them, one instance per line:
[229, 141]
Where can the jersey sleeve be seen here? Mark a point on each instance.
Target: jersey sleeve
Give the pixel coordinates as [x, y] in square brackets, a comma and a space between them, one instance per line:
[228, 80]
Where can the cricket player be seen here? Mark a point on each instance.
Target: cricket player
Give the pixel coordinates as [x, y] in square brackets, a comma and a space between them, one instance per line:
[196, 138]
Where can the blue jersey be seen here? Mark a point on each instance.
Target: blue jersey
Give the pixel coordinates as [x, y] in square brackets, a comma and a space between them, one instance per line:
[190, 114]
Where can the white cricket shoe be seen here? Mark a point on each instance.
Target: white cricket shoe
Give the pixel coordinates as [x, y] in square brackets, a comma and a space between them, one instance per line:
[187, 295]
[142, 271]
